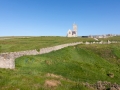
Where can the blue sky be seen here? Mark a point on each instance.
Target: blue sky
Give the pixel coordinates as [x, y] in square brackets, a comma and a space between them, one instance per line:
[55, 17]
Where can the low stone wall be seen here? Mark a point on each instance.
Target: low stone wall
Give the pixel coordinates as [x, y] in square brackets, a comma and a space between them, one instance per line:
[7, 60]
[101, 42]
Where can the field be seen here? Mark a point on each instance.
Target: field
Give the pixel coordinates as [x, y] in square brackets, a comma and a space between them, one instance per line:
[65, 69]
[8, 44]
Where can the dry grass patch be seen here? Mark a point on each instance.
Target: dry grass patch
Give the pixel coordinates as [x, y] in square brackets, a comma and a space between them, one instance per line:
[52, 83]
[58, 77]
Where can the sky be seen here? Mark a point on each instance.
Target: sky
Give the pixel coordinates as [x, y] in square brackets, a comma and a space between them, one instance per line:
[55, 17]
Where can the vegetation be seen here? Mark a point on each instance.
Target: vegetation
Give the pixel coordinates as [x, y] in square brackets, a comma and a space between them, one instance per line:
[67, 69]
[8, 44]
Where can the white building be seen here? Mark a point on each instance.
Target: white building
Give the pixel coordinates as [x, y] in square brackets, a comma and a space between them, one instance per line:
[72, 33]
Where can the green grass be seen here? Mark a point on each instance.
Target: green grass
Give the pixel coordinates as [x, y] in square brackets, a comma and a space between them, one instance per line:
[77, 64]
[30, 43]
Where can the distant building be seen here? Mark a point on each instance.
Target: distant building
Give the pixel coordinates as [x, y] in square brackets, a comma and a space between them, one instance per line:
[97, 36]
[72, 33]
[102, 36]
[85, 36]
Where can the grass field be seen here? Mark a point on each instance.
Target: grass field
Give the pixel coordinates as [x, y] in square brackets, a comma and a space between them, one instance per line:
[67, 69]
[8, 44]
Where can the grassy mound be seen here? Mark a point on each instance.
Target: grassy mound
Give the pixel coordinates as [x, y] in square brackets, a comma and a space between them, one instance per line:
[65, 69]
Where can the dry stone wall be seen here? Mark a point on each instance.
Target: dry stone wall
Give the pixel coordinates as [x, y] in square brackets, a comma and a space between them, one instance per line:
[7, 60]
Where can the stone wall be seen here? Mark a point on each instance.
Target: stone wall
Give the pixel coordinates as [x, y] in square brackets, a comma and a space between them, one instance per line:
[7, 60]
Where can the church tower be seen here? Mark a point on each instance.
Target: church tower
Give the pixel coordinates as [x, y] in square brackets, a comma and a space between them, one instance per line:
[75, 28]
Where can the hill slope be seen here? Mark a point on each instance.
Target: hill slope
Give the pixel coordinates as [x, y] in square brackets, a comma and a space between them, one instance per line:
[66, 69]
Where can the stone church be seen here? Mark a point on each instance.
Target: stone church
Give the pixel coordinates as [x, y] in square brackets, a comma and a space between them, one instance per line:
[72, 33]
